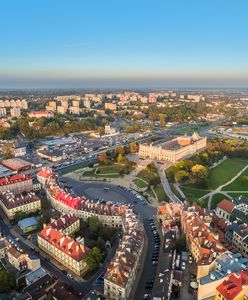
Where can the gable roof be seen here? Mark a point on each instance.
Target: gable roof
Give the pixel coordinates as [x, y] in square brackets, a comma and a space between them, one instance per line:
[226, 205]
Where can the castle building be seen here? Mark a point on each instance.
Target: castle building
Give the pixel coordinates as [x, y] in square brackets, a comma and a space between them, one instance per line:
[173, 150]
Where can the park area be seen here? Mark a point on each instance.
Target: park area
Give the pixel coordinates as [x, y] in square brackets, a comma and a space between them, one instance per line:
[149, 178]
[109, 171]
[225, 171]
[221, 174]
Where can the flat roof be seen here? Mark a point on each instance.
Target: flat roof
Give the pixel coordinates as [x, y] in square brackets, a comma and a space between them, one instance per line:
[27, 222]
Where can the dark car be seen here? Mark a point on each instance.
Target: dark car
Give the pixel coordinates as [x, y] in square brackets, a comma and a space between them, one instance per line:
[148, 286]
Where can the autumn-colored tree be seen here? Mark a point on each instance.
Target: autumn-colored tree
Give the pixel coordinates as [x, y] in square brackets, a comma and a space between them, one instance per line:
[7, 151]
[102, 157]
[119, 150]
[134, 147]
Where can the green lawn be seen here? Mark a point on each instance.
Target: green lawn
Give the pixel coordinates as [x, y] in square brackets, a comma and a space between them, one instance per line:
[110, 169]
[225, 171]
[90, 173]
[73, 168]
[190, 129]
[238, 184]
[174, 190]
[159, 190]
[216, 199]
[140, 183]
[193, 194]
[147, 176]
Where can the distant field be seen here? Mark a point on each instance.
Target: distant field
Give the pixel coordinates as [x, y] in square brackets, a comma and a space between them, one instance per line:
[238, 184]
[190, 129]
[225, 171]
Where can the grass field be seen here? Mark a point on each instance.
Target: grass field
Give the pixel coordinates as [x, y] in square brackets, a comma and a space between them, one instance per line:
[225, 171]
[147, 176]
[174, 190]
[140, 183]
[159, 190]
[190, 129]
[72, 168]
[111, 171]
[216, 199]
[193, 194]
[238, 184]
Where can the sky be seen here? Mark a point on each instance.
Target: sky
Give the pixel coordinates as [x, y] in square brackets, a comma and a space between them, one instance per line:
[123, 43]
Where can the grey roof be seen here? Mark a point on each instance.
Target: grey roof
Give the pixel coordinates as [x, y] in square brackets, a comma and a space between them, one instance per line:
[242, 230]
[27, 222]
[35, 275]
[34, 286]
[240, 215]
[226, 263]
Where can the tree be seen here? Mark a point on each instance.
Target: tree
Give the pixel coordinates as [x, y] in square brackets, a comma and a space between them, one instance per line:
[134, 148]
[102, 157]
[199, 171]
[7, 151]
[119, 150]
[19, 215]
[121, 159]
[101, 130]
[93, 258]
[181, 176]
[199, 176]
[7, 281]
[245, 180]
[162, 118]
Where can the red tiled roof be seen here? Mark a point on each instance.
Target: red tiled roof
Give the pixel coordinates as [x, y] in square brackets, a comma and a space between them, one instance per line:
[226, 205]
[67, 245]
[231, 287]
[14, 178]
[46, 173]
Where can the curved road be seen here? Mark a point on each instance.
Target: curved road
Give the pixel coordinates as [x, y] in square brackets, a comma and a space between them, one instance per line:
[94, 190]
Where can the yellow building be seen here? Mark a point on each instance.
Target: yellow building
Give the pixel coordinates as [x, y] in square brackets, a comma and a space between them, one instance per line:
[173, 150]
[64, 249]
[11, 203]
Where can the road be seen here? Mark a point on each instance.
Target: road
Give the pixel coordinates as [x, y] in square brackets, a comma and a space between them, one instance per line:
[166, 184]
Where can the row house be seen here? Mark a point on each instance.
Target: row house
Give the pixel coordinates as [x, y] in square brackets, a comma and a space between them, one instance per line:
[11, 203]
[237, 236]
[108, 214]
[67, 223]
[64, 249]
[202, 242]
[19, 259]
[122, 270]
[234, 287]
[16, 184]
[221, 268]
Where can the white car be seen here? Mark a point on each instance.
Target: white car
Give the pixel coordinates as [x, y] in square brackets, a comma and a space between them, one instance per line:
[183, 266]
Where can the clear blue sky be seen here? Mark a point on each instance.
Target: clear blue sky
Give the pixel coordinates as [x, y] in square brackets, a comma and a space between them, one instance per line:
[112, 43]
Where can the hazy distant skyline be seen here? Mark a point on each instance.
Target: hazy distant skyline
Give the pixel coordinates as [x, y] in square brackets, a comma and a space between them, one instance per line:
[122, 44]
